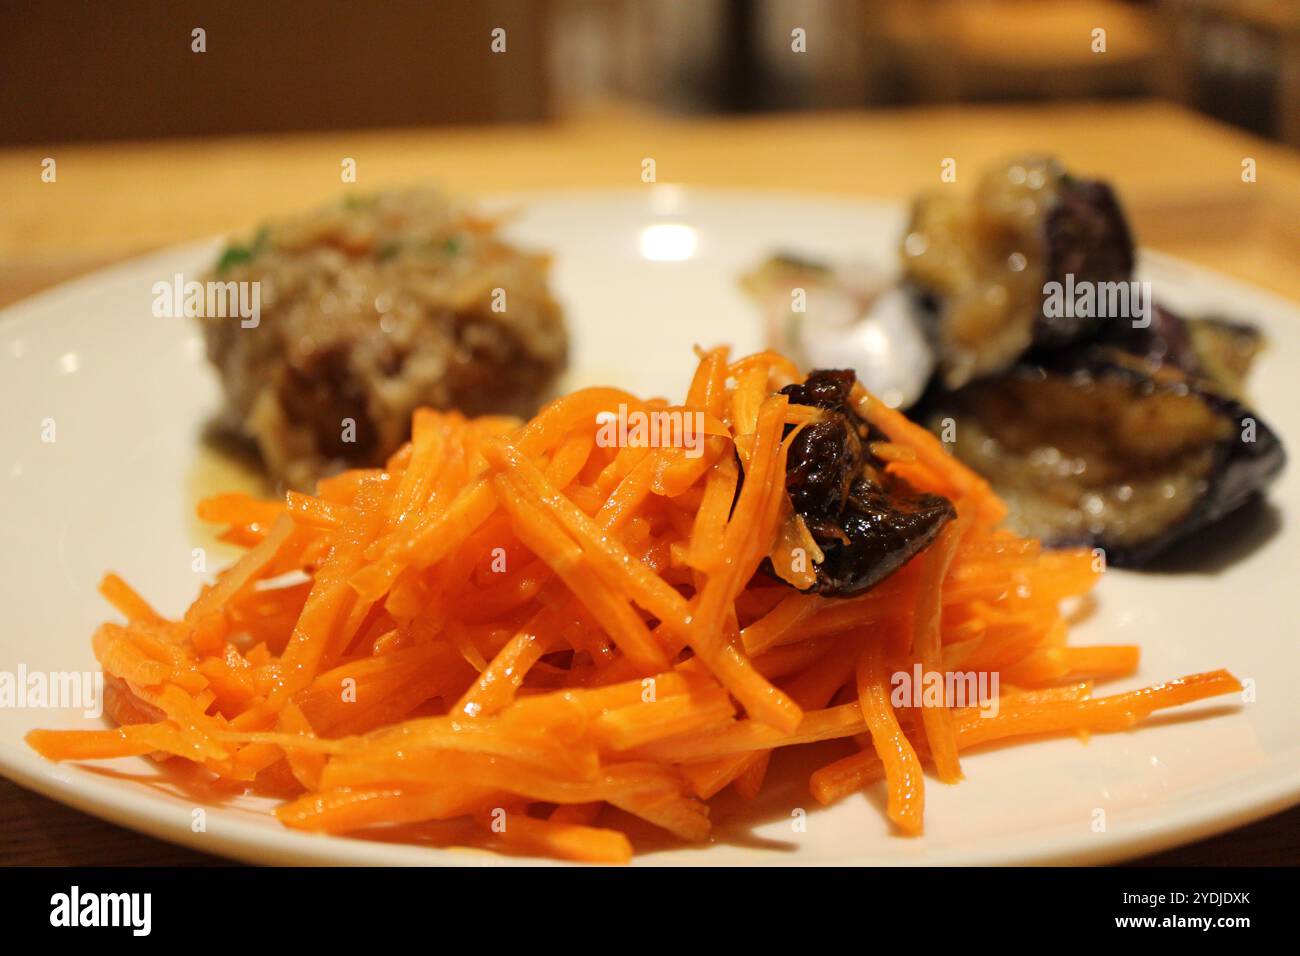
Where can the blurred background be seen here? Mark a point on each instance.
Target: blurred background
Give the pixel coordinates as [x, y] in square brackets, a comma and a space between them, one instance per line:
[176, 120]
[78, 71]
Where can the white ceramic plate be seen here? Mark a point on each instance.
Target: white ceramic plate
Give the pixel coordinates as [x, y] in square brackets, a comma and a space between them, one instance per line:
[645, 276]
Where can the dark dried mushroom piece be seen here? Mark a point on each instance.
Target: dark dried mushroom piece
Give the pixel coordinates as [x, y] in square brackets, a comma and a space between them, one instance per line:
[1102, 448]
[980, 264]
[866, 522]
[878, 532]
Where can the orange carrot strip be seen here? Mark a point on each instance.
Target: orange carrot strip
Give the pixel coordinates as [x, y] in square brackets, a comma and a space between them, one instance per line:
[1056, 710]
[237, 508]
[905, 802]
[346, 811]
[931, 454]
[1114, 660]
[312, 512]
[546, 539]
[927, 648]
[567, 841]
[682, 816]
[496, 685]
[123, 597]
[241, 574]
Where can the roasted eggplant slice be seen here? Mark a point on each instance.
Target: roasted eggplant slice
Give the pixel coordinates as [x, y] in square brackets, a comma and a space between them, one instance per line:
[979, 264]
[1218, 350]
[866, 522]
[1102, 448]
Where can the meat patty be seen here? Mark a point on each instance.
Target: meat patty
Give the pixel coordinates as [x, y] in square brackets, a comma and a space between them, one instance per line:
[371, 308]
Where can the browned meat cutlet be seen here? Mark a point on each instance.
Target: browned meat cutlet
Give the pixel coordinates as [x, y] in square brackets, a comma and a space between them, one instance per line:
[370, 309]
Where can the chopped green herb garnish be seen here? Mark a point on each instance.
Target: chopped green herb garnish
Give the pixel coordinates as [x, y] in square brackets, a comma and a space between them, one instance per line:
[452, 246]
[388, 250]
[236, 254]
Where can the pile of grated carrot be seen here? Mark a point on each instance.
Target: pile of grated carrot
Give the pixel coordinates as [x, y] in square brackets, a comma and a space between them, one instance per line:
[514, 625]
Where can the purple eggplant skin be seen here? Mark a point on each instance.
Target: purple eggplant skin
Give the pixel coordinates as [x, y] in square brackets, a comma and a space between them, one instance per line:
[1237, 470]
[866, 522]
[1084, 234]
[1215, 349]
[1163, 342]
[1088, 237]
[1241, 470]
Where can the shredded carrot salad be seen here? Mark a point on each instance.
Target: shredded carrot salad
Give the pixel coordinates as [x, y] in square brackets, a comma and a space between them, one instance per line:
[517, 625]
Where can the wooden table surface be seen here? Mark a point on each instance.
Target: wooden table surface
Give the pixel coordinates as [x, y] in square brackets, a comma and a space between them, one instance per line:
[1179, 175]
